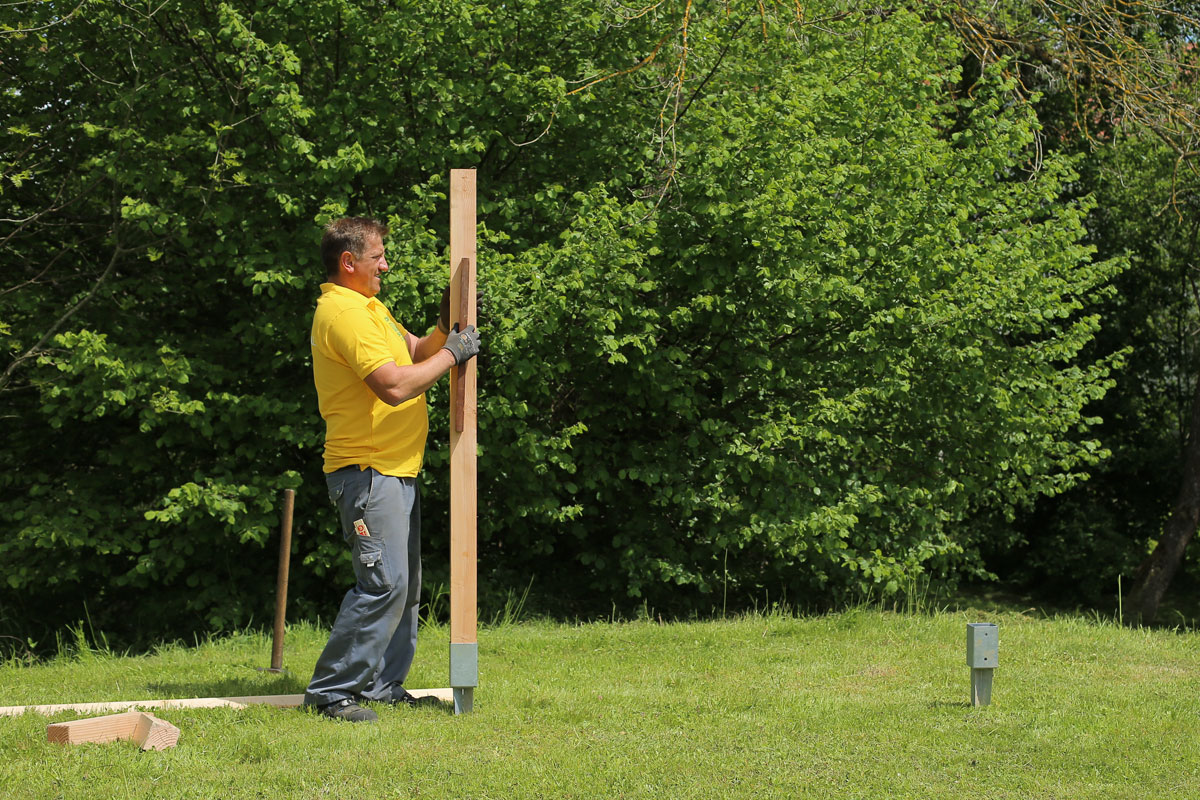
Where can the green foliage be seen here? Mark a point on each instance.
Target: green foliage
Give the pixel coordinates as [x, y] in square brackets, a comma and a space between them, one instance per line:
[1079, 543]
[843, 334]
[1130, 122]
[786, 338]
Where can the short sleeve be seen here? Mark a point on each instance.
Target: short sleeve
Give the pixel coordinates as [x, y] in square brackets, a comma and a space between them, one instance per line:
[357, 340]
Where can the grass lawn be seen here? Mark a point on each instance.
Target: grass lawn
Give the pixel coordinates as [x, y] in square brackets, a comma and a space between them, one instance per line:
[862, 704]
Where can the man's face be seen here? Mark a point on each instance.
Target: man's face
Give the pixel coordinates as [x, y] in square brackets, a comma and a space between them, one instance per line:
[367, 268]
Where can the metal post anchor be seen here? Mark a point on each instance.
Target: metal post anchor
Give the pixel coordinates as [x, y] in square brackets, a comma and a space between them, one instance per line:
[464, 674]
[983, 653]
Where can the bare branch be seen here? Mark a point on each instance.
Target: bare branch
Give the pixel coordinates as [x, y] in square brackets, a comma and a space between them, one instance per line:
[645, 61]
[21, 31]
[1115, 78]
[553, 113]
[33, 351]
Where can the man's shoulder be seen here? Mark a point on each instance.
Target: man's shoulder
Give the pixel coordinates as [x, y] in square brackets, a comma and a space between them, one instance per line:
[337, 298]
[334, 296]
[332, 305]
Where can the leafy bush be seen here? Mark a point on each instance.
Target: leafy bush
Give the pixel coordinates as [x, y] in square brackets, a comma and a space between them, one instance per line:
[784, 335]
[851, 327]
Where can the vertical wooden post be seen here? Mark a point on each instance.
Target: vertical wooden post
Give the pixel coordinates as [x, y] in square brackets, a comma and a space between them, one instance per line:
[464, 647]
[281, 579]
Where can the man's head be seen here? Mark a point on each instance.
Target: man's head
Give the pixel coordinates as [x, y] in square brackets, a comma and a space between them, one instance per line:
[353, 255]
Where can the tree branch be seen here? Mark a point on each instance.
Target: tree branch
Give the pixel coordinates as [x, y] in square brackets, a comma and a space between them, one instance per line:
[10, 371]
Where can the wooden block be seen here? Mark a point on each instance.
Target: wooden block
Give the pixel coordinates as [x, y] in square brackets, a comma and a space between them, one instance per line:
[153, 733]
[96, 729]
[150, 732]
[276, 700]
[445, 695]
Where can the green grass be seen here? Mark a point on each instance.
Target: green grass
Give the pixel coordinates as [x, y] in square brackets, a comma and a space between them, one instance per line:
[861, 704]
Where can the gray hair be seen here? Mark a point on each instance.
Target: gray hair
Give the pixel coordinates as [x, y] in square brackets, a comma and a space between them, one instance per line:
[348, 234]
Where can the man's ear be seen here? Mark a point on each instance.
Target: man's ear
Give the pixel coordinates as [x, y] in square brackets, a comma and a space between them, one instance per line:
[346, 261]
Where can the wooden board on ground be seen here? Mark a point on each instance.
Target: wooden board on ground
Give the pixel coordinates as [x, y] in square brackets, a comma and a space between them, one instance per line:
[147, 730]
[277, 700]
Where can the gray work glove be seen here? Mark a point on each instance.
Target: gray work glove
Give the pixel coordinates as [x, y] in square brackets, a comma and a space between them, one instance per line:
[463, 345]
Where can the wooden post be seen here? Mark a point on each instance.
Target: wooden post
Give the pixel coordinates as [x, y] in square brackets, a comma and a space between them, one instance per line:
[464, 647]
[281, 579]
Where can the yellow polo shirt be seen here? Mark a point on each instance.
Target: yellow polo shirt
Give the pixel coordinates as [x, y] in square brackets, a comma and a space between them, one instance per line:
[352, 336]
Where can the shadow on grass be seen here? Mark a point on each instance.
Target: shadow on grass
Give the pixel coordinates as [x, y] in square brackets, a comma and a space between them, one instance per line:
[936, 704]
[285, 683]
[426, 705]
[1179, 612]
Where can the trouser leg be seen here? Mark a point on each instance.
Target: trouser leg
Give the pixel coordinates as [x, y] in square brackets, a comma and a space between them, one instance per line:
[398, 657]
[372, 612]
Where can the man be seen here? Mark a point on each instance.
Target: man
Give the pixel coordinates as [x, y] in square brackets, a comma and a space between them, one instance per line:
[371, 376]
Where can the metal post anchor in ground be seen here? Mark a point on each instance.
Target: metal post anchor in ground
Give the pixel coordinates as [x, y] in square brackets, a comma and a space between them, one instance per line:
[983, 653]
[464, 647]
[464, 674]
[281, 580]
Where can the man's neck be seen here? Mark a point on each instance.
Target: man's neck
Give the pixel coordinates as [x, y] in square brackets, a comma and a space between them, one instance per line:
[338, 280]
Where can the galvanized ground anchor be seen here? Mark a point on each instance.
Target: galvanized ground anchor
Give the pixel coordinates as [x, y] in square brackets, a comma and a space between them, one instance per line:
[983, 652]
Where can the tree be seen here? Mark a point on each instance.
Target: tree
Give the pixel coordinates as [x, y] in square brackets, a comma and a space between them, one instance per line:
[783, 336]
[838, 375]
[1122, 80]
[1163, 311]
[175, 160]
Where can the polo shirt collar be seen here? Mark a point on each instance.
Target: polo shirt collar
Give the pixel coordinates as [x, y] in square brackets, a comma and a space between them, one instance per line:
[349, 294]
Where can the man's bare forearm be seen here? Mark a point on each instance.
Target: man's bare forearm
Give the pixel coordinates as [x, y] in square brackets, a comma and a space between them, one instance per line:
[394, 384]
[428, 345]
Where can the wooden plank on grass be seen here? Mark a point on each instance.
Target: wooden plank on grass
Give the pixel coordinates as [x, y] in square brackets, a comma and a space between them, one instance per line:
[120, 705]
[277, 700]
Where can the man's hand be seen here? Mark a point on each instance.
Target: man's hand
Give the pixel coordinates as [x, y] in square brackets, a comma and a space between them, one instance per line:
[463, 345]
[443, 323]
[444, 312]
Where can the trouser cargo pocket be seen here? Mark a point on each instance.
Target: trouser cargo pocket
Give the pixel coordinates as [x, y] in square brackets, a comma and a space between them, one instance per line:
[370, 567]
[353, 492]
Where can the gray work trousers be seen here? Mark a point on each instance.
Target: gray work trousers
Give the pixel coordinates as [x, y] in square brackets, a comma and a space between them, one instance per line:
[374, 636]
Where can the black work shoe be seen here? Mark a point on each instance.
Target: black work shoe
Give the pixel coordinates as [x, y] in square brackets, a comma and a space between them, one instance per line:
[348, 710]
[401, 697]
